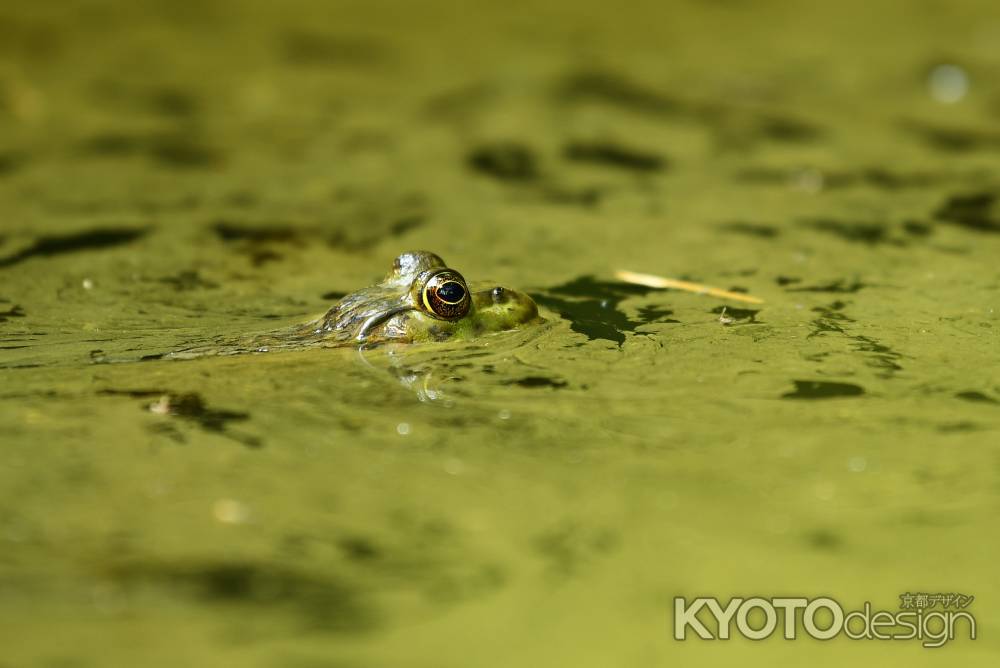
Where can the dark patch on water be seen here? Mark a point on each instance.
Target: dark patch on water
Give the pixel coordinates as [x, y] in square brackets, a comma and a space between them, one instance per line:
[873, 177]
[825, 325]
[976, 397]
[613, 89]
[732, 125]
[461, 102]
[824, 539]
[360, 219]
[569, 546]
[188, 280]
[591, 306]
[960, 427]
[13, 312]
[243, 199]
[614, 155]
[182, 151]
[651, 314]
[866, 233]
[359, 548]
[879, 177]
[878, 355]
[954, 139]
[841, 285]
[743, 316]
[881, 356]
[29, 38]
[751, 229]
[113, 144]
[975, 211]
[162, 100]
[537, 381]
[190, 406]
[833, 311]
[333, 295]
[10, 163]
[787, 129]
[740, 128]
[505, 161]
[320, 601]
[787, 280]
[173, 102]
[821, 389]
[176, 150]
[406, 224]
[588, 286]
[255, 240]
[234, 232]
[74, 243]
[918, 229]
[309, 48]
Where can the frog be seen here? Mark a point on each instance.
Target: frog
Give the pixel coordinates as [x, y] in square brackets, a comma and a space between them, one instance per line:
[420, 300]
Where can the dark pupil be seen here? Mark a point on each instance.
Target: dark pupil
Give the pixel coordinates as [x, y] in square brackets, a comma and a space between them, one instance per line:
[451, 292]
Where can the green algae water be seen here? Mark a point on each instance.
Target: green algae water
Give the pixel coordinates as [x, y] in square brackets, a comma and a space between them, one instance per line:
[176, 174]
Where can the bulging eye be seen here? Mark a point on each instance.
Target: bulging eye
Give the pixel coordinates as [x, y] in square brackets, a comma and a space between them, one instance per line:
[446, 296]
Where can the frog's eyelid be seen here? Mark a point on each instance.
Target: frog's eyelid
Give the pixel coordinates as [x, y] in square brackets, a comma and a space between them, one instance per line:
[379, 318]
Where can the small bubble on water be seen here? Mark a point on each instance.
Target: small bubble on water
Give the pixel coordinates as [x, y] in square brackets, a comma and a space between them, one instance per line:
[947, 83]
[857, 464]
[87, 284]
[230, 511]
[504, 414]
[808, 180]
[403, 428]
[161, 406]
[453, 466]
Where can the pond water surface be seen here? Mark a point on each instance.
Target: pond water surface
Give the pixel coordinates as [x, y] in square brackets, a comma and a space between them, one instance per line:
[172, 174]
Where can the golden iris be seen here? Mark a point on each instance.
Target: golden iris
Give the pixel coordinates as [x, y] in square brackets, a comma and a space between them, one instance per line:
[446, 296]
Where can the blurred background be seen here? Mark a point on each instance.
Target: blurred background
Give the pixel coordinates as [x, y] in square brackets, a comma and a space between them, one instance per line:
[176, 171]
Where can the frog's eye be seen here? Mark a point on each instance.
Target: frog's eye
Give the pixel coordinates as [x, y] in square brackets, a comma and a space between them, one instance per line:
[446, 296]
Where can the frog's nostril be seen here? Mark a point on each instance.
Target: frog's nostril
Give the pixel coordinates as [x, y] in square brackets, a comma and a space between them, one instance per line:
[499, 295]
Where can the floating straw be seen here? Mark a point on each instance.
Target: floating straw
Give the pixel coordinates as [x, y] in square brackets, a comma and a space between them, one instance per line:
[651, 281]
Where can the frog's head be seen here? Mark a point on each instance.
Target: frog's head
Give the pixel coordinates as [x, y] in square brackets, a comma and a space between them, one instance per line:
[421, 299]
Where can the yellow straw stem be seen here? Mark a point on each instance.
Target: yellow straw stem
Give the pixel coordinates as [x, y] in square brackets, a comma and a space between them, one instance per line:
[651, 281]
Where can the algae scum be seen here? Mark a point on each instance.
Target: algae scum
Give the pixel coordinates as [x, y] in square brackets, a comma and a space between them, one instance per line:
[179, 174]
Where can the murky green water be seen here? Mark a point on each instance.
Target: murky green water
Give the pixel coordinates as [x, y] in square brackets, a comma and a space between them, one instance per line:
[172, 173]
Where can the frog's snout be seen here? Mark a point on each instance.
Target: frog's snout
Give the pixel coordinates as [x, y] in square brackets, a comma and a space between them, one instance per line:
[518, 303]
